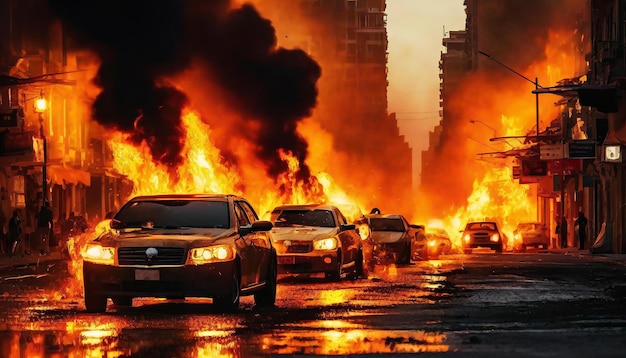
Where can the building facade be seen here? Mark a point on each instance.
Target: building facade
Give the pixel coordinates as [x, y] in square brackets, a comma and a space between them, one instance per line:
[47, 153]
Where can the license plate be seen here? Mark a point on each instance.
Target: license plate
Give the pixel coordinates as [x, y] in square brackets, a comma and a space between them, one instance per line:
[286, 260]
[147, 275]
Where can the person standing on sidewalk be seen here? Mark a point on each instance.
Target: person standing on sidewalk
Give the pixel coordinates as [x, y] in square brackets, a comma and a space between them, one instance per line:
[561, 230]
[15, 234]
[581, 225]
[45, 225]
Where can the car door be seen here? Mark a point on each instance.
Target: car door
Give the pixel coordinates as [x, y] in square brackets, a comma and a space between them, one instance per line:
[249, 264]
[262, 245]
[348, 239]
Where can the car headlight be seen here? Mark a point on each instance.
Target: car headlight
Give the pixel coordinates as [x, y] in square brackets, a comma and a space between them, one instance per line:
[432, 243]
[99, 254]
[325, 244]
[495, 237]
[466, 238]
[218, 253]
[517, 237]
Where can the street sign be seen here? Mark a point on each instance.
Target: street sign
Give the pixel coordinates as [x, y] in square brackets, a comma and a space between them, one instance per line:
[579, 149]
[551, 151]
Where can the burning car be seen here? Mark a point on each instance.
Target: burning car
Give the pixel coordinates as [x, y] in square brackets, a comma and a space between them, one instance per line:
[530, 234]
[316, 238]
[181, 246]
[393, 239]
[482, 234]
[439, 242]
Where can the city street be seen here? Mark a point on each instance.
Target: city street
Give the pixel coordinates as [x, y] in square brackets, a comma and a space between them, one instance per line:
[483, 304]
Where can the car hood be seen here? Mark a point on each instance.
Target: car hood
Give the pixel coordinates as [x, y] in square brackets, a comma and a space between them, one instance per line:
[167, 238]
[306, 233]
[529, 233]
[387, 237]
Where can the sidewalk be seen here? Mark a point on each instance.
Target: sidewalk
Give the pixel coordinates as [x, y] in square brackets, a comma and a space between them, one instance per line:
[29, 260]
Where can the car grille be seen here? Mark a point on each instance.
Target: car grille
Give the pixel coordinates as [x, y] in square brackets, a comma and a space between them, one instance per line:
[296, 247]
[137, 256]
[481, 237]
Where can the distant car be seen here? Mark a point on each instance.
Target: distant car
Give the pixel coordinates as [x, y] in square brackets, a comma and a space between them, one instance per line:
[177, 246]
[316, 238]
[485, 234]
[530, 234]
[391, 237]
[439, 242]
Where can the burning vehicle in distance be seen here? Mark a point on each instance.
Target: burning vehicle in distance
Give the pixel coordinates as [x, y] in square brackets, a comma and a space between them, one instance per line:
[439, 242]
[316, 238]
[177, 246]
[485, 234]
[393, 239]
[530, 234]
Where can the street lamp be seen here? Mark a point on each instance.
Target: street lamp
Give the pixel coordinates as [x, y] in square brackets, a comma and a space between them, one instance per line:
[495, 136]
[40, 106]
[484, 124]
[537, 86]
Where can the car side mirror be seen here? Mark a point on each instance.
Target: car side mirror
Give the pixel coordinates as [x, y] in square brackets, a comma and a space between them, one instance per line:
[348, 227]
[116, 224]
[256, 226]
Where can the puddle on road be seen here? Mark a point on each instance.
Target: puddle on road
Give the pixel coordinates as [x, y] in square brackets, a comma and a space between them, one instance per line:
[313, 319]
[321, 338]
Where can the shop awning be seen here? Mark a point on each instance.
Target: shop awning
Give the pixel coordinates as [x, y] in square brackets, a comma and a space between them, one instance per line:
[602, 97]
[60, 175]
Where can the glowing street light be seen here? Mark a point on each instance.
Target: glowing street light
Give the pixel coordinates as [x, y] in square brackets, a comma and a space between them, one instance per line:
[41, 104]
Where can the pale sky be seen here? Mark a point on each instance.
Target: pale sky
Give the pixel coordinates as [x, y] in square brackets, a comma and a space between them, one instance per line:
[415, 29]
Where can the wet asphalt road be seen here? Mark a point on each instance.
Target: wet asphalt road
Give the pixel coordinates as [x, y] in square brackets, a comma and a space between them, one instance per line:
[484, 304]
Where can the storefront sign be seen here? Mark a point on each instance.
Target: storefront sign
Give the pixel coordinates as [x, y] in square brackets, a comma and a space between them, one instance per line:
[551, 151]
[581, 149]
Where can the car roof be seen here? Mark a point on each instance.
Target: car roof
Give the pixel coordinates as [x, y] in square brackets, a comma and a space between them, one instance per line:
[384, 216]
[185, 196]
[306, 207]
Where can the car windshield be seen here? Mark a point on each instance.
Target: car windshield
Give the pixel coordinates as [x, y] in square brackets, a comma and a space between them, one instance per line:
[481, 226]
[528, 227]
[323, 218]
[174, 214]
[386, 224]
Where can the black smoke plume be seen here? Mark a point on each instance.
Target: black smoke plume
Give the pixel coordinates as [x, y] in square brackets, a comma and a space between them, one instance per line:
[139, 43]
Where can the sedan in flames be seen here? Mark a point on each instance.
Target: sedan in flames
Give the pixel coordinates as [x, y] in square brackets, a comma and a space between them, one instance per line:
[484, 234]
[177, 246]
[393, 240]
[316, 238]
[530, 234]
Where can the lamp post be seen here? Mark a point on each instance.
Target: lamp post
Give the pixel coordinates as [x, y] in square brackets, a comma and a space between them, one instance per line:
[40, 106]
[495, 136]
[537, 86]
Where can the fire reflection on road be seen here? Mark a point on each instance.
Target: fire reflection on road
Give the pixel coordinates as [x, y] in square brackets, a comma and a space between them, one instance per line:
[313, 316]
[323, 337]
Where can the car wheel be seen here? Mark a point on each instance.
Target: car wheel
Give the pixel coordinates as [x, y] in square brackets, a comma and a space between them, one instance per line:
[267, 295]
[359, 271]
[335, 275]
[406, 257]
[230, 302]
[122, 301]
[95, 302]
[498, 248]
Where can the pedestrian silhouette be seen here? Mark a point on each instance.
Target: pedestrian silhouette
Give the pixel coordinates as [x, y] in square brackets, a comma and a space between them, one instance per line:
[581, 225]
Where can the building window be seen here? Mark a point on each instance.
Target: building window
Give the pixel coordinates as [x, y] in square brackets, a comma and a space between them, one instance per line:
[18, 197]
